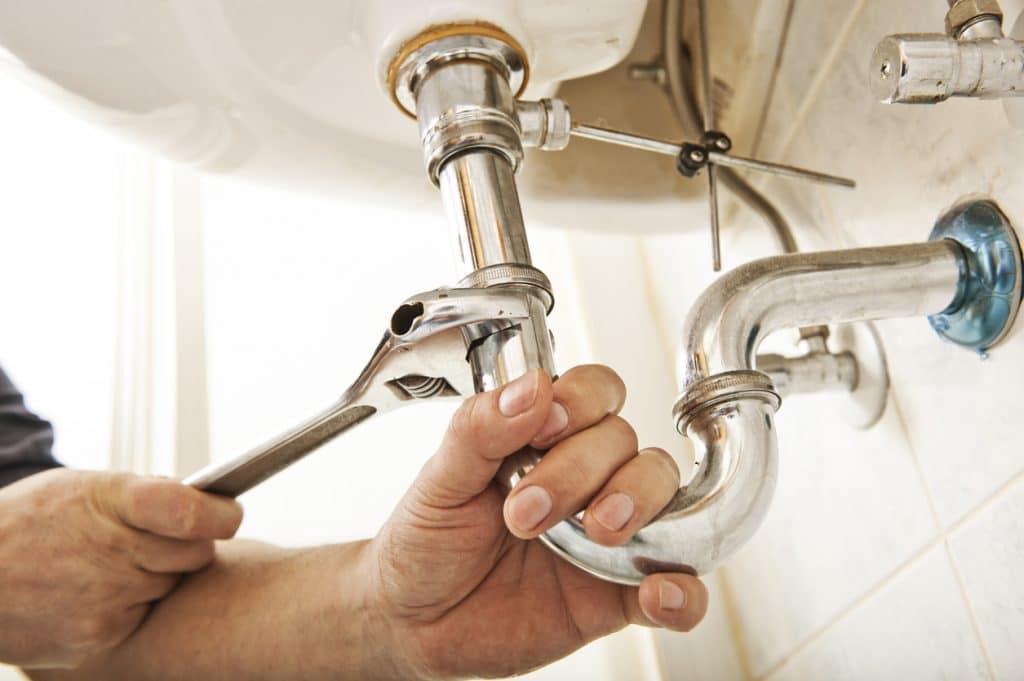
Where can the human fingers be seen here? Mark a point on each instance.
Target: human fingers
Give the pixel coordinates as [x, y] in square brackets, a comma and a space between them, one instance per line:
[154, 553]
[671, 600]
[568, 476]
[582, 396]
[485, 429]
[170, 509]
[634, 496]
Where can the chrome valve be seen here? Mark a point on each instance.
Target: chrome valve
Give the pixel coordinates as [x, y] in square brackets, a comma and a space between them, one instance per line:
[973, 59]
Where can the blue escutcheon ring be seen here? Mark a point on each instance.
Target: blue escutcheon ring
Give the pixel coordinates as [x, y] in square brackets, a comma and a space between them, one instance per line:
[991, 289]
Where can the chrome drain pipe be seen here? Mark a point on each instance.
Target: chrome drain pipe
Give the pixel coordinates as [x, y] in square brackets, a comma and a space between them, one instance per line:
[967, 278]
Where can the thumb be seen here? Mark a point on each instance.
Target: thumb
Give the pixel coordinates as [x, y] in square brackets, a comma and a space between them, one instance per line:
[485, 429]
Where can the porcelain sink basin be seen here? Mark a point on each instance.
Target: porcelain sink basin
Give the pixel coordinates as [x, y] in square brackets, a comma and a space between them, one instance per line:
[291, 92]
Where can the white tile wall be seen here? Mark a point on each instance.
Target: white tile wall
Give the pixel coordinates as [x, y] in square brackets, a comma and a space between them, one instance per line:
[990, 553]
[914, 628]
[897, 552]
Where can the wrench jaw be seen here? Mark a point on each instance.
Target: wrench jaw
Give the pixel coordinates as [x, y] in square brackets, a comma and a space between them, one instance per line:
[435, 342]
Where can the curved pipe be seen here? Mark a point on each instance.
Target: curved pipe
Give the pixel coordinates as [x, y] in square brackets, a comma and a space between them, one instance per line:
[732, 317]
[709, 518]
[733, 429]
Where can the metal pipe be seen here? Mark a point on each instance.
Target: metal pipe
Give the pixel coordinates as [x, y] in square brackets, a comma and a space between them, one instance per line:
[732, 317]
[730, 408]
[709, 518]
[932, 68]
[633, 141]
[812, 373]
[481, 201]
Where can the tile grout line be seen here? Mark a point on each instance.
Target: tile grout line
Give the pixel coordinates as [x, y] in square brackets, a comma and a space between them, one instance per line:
[1003, 490]
[954, 566]
[733, 619]
[971, 614]
[863, 599]
[854, 605]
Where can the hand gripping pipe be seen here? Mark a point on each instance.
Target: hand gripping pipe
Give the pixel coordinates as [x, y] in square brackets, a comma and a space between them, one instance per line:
[492, 328]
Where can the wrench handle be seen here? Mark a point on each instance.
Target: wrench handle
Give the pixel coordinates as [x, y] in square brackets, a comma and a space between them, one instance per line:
[235, 476]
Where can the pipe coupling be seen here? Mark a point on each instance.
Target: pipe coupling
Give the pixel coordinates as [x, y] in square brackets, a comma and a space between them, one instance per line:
[721, 388]
[462, 90]
[512, 274]
[964, 14]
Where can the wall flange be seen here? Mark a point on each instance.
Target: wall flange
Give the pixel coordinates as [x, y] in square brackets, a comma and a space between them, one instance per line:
[990, 293]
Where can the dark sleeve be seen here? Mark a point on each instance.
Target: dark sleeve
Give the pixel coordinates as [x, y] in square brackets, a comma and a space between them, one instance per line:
[26, 440]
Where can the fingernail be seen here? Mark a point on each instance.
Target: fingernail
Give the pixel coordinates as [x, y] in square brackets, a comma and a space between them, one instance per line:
[558, 420]
[528, 508]
[614, 511]
[519, 395]
[670, 596]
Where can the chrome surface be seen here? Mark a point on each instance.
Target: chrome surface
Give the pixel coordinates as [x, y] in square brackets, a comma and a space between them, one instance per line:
[544, 124]
[708, 519]
[499, 356]
[463, 106]
[845, 369]
[720, 338]
[716, 232]
[927, 68]
[427, 60]
[727, 408]
[973, 19]
[485, 219]
[507, 274]
[709, 124]
[422, 355]
[991, 297]
[864, 405]
[631, 140]
[780, 169]
[731, 318]
[815, 372]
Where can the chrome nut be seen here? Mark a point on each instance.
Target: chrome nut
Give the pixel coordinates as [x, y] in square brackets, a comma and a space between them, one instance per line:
[964, 13]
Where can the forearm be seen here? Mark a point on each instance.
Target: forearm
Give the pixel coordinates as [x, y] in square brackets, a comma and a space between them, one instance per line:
[258, 612]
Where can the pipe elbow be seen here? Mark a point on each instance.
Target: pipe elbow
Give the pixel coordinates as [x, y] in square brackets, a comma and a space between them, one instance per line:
[709, 518]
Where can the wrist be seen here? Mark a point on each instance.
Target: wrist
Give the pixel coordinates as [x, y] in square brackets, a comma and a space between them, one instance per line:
[382, 641]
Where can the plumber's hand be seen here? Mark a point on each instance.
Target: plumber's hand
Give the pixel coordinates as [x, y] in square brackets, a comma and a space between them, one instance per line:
[456, 575]
[83, 555]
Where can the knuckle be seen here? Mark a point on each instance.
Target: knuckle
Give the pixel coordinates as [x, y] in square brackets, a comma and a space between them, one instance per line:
[90, 632]
[203, 553]
[185, 514]
[609, 380]
[112, 543]
[621, 430]
[663, 460]
[467, 425]
[136, 496]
